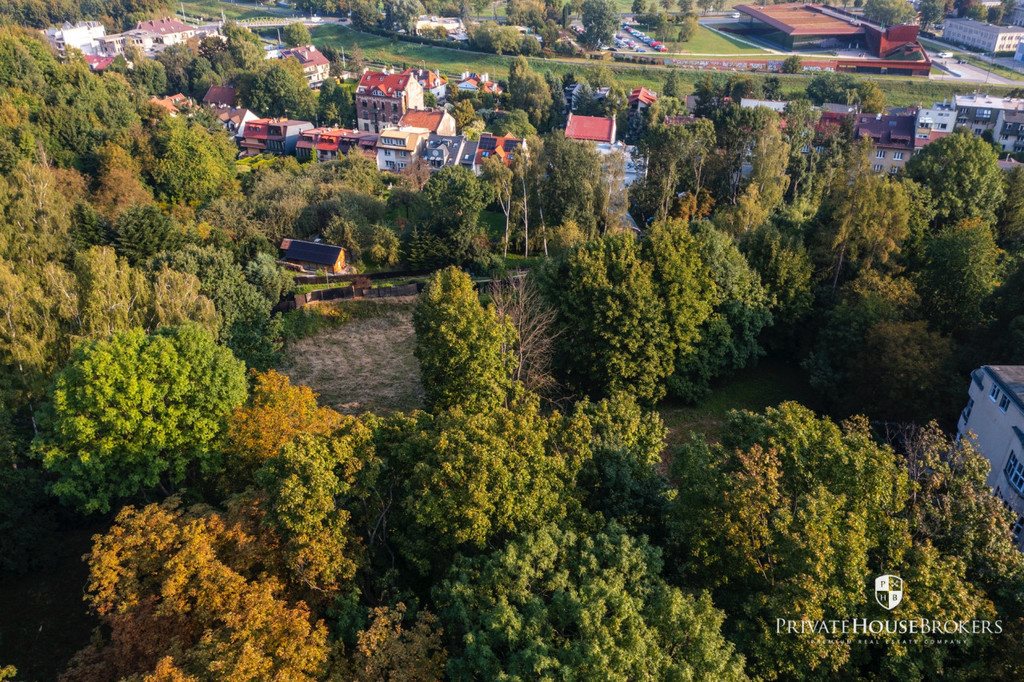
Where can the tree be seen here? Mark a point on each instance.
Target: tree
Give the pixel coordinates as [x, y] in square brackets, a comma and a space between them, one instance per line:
[278, 89]
[767, 184]
[454, 198]
[1010, 230]
[570, 185]
[792, 64]
[181, 597]
[334, 104]
[519, 300]
[889, 12]
[575, 605]
[962, 172]
[393, 649]
[119, 183]
[463, 348]
[192, 164]
[613, 329]
[401, 14]
[959, 273]
[528, 91]
[276, 413]
[137, 412]
[599, 17]
[499, 177]
[931, 12]
[142, 232]
[296, 34]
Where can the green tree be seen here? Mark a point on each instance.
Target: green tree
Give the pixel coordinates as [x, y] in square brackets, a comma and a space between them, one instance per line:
[464, 348]
[335, 105]
[959, 273]
[137, 412]
[599, 17]
[889, 12]
[278, 89]
[1010, 229]
[931, 12]
[401, 14]
[453, 199]
[570, 185]
[192, 164]
[962, 172]
[296, 34]
[577, 606]
[143, 231]
[614, 331]
[528, 91]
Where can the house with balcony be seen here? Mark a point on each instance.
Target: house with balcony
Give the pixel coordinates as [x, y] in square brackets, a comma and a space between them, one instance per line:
[892, 137]
[272, 136]
[82, 36]
[998, 116]
[399, 147]
[151, 37]
[329, 144]
[993, 422]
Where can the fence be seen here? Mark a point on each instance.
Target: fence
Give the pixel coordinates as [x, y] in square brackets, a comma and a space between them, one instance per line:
[349, 292]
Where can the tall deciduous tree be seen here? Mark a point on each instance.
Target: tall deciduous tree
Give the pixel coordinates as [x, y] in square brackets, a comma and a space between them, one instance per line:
[599, 19]
[964, 177]
[137, 412]
[464, 348]
[528, 91]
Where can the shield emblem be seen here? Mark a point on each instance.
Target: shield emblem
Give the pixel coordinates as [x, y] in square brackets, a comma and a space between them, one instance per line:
[888, 591]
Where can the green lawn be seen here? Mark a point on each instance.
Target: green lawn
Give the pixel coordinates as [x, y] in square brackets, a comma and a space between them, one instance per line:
[899, 90]
[706, 41]
[766, 385]
[211, 9]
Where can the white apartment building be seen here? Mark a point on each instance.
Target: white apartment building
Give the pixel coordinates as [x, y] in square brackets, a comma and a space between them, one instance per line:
[81, 36]
[151, 37]
[982, 36]
[1002, 117]
[994, 422]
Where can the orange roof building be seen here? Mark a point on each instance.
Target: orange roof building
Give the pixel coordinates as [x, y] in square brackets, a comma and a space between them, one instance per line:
[590, 128]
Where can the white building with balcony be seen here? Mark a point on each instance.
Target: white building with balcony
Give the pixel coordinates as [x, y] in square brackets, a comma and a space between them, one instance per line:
[994, 422]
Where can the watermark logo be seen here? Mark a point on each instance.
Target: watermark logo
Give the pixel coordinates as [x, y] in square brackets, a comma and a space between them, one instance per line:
[888, 591]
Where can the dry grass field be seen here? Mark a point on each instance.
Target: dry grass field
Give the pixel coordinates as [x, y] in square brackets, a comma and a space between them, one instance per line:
[364, 363]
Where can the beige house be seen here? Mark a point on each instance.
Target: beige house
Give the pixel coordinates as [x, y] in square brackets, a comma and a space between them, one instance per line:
[399, 147]
[994, 422]
[982, 36]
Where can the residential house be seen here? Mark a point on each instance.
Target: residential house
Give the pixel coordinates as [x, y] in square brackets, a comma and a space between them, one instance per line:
[999, 116]
[272, 136]
[383, 97]
[993, 421]
[504, 147]
[590, 128]
[220, 97]
[934, 123]
[399, 147]
[451, 26]
[82, 36]
[892, 137]
[432, 82]
[313, 255]
[150, 37]
[478, 82]
[641, 98]
[448, 150]
[327, 144]
[172, 104]
[234, 121]
[437, 121]
[982, 36]
[315, 66]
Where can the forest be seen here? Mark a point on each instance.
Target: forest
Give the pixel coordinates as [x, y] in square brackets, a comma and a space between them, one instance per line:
[528, 521]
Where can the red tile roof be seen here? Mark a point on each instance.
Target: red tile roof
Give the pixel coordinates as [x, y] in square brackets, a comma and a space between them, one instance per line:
[642, 95]
[593, 128]
[503, 147]
[220, 96]
[389, 84]
[423, 118]
[98, 63]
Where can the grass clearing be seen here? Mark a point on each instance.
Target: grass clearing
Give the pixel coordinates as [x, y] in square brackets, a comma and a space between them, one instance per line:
[361, 359]
[756, 388]
[899, 90]
[211, 10]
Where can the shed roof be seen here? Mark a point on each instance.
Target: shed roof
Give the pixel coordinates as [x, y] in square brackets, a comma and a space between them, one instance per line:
[311, 252]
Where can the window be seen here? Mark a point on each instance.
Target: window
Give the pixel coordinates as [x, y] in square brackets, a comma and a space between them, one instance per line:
[967, 410]
[898, 156]
[894, 170]
[877, 168]
[1004, 403]
[880, 154]
[1014, 471]
[993, 395]
[1017, 527]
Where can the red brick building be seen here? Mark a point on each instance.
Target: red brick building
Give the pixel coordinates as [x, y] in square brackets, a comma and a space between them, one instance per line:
[383, 98]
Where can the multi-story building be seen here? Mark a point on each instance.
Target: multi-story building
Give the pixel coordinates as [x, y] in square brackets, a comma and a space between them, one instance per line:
[81, 36]
[399, 147]
[151, 37]
[982, 36]
[449, 150]
[315, 66]
[327, 144]
[272, 136]
[504, 147]
[993, 421]
[999, 116]
[382, 98]
[892, 137]
[933, 123]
